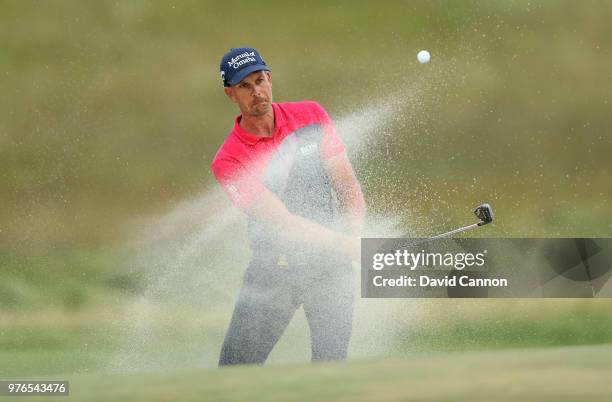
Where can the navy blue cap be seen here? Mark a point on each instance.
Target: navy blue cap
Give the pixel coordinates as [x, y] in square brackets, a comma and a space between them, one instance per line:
[238, 63]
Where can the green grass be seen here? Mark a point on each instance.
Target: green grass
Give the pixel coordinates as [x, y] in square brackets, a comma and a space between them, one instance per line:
[166, 336]
[494, 324]
[555, 374]
[35, 279]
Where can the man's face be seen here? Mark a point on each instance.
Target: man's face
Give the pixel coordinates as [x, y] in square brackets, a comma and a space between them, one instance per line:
[253, 94]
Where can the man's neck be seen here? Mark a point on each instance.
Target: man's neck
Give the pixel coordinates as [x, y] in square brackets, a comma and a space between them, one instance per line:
[262, 126]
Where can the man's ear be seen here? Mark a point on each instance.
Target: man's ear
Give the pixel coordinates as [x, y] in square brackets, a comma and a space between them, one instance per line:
[229, 91]
[269, 74]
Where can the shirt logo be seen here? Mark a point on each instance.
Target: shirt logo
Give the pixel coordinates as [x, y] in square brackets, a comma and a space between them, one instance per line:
[309, 149]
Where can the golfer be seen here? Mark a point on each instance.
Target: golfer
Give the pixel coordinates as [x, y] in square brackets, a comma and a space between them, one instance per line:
[285, 167]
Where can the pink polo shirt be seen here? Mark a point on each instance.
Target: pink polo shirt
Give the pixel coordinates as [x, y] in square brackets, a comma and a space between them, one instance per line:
[247, 164]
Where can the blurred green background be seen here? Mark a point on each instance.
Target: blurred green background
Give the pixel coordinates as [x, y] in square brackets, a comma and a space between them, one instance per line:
[111, 111]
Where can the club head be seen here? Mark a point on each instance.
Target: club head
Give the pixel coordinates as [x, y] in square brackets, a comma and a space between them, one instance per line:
[484, 212]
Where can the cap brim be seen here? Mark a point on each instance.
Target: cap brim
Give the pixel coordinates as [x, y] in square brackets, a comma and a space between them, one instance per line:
[250, 69]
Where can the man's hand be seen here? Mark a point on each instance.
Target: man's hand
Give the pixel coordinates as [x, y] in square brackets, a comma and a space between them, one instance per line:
[269, 210]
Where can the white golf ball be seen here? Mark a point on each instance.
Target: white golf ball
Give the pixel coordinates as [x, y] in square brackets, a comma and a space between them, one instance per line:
[423, 56]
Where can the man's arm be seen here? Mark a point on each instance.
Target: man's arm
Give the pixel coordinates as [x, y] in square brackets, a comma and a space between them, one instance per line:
[270, 210]
[349, 192]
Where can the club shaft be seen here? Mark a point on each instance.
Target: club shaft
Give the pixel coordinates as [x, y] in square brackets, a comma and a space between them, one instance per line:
[447, 234]
[452, 232]
[443, 235]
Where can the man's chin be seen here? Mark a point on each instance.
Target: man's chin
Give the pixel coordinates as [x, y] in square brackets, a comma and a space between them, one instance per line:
[260, 109]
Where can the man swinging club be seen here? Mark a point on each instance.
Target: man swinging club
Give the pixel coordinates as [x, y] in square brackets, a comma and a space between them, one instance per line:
[285, 167]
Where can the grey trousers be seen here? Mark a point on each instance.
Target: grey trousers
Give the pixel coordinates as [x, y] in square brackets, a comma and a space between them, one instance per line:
[271, 293]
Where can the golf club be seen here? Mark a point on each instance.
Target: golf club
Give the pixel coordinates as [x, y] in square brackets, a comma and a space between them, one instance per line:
[484, 212]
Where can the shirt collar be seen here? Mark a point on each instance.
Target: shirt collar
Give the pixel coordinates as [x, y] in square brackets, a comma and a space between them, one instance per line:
[252, 139]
